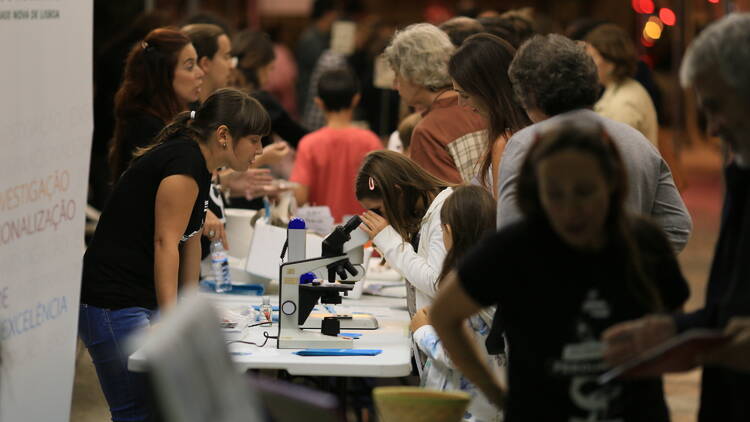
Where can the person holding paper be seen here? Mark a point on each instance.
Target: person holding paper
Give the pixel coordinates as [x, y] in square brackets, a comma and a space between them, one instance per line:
[147, 243]
[717, 66]
[403, 220]
[574, 265]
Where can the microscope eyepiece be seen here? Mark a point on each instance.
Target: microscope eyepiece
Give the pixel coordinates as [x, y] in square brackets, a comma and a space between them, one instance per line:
[352, 224]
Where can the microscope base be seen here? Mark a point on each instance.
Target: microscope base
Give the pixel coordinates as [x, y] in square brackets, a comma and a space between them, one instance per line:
[312, 340]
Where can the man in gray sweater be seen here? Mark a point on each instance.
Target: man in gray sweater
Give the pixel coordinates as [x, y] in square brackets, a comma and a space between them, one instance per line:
[552, 75]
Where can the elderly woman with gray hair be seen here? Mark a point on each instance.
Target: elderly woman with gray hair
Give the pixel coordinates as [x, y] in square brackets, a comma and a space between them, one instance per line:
[449, 141]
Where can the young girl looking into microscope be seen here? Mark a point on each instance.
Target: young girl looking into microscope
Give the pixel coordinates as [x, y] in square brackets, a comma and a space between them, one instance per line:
[403, 220]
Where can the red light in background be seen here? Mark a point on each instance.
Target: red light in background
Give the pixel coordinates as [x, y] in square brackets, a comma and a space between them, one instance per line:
[646, 6]
[645, 58]
[647, 42]
[667, 16]
[714, 1]
[636, 6]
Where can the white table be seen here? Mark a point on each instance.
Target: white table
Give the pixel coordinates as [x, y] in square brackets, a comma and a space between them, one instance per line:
[392, 337]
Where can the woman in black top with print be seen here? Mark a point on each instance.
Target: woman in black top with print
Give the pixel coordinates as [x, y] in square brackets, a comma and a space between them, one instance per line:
[575, 265]
[147, 242]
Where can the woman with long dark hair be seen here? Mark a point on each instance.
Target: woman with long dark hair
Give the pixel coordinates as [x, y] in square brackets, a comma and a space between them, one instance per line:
[147, 243]
[161, 79]
[576, 264]
[479, 69]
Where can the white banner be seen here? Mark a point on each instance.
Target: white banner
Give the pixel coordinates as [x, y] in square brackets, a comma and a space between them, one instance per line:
[45, 136]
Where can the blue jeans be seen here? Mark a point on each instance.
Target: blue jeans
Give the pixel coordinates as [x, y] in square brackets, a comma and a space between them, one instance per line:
[104, 332]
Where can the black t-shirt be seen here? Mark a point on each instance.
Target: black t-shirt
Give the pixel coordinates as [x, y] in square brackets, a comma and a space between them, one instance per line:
[118, 267]
[139, 130]
[555, 302]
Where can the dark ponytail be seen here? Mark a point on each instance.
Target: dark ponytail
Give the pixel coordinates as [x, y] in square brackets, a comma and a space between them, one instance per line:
[240, 113]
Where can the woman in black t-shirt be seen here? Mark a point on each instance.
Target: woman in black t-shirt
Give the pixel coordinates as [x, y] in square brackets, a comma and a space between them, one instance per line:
[147, 242]
[574, 266]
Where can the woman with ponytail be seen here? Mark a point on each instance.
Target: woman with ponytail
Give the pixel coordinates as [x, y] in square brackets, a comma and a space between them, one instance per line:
[576, 264]
[161, 79]
[147, 243]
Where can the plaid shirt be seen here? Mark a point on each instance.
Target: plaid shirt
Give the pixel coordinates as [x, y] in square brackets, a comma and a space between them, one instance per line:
[467, 151]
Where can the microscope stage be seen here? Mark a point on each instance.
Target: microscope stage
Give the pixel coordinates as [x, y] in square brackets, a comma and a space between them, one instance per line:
[354, 321]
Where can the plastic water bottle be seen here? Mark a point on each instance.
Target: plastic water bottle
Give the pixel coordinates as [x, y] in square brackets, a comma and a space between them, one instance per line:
[266, 310]
[220, 265]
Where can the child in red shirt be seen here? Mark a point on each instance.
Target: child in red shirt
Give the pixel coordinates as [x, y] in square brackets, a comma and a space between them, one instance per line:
[329, 158]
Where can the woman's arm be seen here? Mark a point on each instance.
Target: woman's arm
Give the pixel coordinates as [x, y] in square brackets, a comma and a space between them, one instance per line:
[175, 199]
[448, 315]
[190, 262]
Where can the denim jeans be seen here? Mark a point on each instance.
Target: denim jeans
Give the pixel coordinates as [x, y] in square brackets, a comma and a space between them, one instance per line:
[104, 332]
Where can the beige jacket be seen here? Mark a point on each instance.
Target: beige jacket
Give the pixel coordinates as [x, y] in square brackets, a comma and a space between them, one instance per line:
[628, 102]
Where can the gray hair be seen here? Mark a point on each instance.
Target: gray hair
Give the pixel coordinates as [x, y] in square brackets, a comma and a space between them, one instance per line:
[725, 45]
[420, 53]
[554, 74]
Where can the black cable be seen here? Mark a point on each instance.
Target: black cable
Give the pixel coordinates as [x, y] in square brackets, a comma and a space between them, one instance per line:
[265, 334]
[260, 323]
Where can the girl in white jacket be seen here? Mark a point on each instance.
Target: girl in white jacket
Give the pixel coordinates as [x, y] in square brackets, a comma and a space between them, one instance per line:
[403, 220]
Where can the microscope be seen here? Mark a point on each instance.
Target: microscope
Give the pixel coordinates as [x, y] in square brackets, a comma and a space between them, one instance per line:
[297, 300]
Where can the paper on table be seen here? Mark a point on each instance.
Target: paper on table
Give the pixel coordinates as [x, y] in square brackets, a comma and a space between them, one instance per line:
[263, 258]
[317, 219]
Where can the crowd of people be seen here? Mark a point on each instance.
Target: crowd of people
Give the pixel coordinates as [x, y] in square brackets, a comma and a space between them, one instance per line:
[525, 200]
